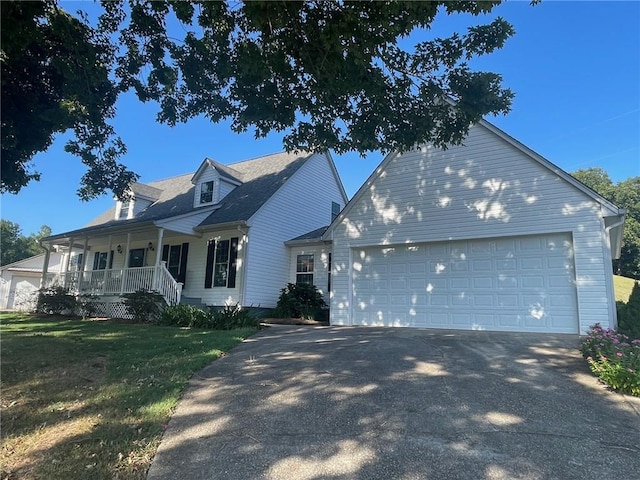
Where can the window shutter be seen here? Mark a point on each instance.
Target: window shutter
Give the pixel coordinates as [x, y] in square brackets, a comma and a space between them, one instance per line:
[182, 274]
[165, 253]
[233, 257]
[96, 260]
[208, 276]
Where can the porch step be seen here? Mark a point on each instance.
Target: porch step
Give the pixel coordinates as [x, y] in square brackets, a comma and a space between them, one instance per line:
[196, 302]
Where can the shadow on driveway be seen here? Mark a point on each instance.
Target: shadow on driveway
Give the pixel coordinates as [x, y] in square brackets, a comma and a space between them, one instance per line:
[391, 403]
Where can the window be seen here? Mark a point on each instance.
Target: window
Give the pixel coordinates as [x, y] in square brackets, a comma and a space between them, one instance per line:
[124, 209]
[221, 263]
[176, 258]
[335, 210]
[100, 260]
[75, 262]
[206, 192]
[136, 257]
[304, 269]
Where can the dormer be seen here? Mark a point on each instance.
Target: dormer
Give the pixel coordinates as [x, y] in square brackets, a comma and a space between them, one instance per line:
[213, 182]
[140, 196]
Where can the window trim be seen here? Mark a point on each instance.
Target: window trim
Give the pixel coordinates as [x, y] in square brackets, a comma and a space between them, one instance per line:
[213, 247]
[208, 192]
[305, 268]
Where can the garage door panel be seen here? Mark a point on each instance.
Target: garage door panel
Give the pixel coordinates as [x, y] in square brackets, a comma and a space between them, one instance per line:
[512, 284]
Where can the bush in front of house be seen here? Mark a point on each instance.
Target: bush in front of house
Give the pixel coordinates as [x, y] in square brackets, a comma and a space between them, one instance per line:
[144, 306]
[614, 358]
[225, 318]
[629, 314]
[56, 300]
[300, 301]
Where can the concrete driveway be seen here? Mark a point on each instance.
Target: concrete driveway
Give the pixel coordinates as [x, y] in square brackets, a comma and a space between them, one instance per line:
[373, 403]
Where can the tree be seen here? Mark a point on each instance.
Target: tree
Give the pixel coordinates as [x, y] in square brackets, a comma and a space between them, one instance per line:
[625, 194]
[14, 246]
[331, 75]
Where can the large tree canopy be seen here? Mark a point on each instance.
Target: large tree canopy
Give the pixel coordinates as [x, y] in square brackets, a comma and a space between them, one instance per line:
[14, 246]
[625, 194]
[329, 75]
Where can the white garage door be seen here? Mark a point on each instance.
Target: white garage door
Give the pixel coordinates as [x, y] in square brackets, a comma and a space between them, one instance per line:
[22, 293]
[520, 284]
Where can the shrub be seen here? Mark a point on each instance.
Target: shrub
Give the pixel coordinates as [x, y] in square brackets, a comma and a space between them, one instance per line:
[55, 300]
[300, 301]
[86, 305]
[144, 306]
[629, 314]
[234, 316]
[187, 316]
[614, 358]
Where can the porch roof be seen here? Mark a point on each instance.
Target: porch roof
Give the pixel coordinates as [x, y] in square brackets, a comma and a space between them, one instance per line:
[261, 178]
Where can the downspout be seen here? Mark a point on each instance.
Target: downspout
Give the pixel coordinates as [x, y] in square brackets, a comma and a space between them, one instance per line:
[622, 218]
[244, 230]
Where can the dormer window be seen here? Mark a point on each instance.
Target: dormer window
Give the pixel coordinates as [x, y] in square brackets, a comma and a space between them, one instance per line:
[206, 192]
[125, 207]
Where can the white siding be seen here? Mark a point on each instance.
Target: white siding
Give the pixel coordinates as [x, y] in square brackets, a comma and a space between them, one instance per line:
[320, 266]
[225, 189]
[486, 188]
[185, 223]
[301, 205]
[139, 205]
[196, 269]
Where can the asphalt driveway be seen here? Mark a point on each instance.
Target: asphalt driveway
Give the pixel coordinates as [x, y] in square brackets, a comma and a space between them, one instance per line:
[371, 403]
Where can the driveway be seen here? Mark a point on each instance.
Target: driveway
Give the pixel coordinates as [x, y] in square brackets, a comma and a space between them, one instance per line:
[371, 403]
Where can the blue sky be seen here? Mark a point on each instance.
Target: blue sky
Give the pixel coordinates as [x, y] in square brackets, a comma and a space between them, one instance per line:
[574, 67]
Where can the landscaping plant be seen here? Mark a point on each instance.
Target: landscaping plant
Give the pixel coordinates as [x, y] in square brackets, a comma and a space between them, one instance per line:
[144, 306]
[56, 300]
[614, 358]
[300, 301]
[629, 314]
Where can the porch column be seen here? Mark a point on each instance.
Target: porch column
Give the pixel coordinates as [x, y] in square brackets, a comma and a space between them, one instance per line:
[82, 264]
[65, 265]
[107, 270]
[45, 266]
[125, 263]
[158, 257]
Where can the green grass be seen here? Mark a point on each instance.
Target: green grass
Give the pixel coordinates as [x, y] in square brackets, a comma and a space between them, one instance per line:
[622, 287]
[90, 399]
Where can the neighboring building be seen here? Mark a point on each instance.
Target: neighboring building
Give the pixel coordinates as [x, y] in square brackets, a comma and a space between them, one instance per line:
[487, 235]
[19, 281]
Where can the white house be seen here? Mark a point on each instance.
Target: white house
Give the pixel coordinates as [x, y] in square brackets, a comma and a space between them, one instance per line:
[19, 281]
[487, 235]
[213, 237]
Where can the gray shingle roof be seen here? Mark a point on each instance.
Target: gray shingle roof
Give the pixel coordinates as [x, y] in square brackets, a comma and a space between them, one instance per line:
[261, 178]
[313, 235]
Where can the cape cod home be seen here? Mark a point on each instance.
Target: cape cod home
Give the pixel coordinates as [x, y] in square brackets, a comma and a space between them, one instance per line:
[213, 237]
[487, 235]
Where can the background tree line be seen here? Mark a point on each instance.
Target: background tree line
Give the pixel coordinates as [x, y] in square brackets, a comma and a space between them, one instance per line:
[625, 194]
[15, 246]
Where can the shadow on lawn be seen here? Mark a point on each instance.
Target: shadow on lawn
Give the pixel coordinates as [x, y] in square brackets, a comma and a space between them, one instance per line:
[365, 403]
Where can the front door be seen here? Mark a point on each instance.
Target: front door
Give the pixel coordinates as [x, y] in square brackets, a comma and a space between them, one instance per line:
[136, 257]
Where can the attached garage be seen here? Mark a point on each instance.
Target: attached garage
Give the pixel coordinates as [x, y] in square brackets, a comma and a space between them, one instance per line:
[486, 235]
[523, 284]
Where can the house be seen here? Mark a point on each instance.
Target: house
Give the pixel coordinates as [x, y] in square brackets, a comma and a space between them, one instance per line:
[214, 237]
[487, 235]
[19, 281]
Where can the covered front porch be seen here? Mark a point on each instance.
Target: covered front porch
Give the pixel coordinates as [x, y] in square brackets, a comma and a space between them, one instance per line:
[109, 262]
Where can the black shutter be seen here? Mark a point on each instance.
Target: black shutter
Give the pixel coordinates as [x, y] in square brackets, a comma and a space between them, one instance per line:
[233, 257]
[110, 260]
[165, 253]
[208, 275]
[182, 274]
[96, 260]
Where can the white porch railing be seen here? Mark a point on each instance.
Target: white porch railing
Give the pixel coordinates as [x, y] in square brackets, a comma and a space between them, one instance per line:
[119, 281]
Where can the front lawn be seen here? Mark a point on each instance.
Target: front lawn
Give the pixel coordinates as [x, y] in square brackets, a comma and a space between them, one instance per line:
[90, 399]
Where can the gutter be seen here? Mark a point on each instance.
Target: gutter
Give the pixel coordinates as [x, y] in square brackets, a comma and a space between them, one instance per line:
[222, 226]
[616, 249]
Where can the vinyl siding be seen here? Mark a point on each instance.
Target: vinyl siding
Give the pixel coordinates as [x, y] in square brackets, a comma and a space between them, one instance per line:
[320, 265]
[486, 188]
[186, 223]
[301, 205]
